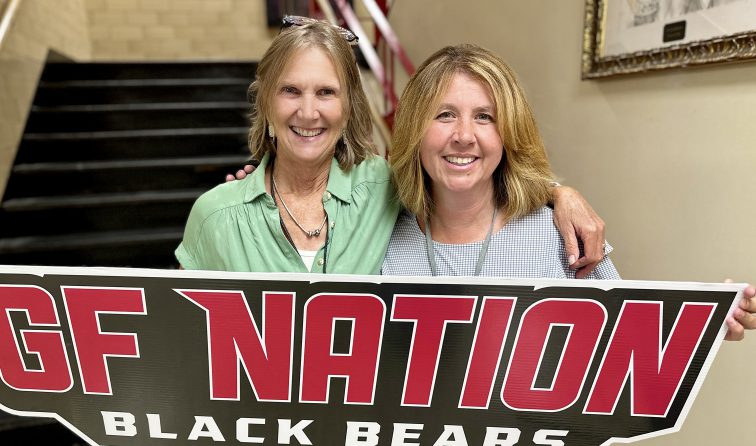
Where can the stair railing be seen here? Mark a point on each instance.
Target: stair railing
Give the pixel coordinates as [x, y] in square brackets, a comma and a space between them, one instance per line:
[384, 76]
[6, 18]
[383, 31]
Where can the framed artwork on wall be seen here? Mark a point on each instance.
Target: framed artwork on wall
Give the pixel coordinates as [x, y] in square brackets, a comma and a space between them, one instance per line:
[634, 36]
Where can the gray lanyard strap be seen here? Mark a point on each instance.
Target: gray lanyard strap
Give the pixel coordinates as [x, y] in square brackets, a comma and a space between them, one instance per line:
[481, 254]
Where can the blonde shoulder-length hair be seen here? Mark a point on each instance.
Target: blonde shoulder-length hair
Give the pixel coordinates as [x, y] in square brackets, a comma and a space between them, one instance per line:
[521, 180]
[356, 144]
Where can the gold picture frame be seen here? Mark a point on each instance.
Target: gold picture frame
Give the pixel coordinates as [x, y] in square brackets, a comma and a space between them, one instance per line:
[598, 62]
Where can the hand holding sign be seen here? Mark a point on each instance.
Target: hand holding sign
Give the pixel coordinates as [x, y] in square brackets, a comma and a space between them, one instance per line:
[743, 317]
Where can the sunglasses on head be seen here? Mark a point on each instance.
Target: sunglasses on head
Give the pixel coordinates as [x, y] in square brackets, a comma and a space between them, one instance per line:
[296, 20]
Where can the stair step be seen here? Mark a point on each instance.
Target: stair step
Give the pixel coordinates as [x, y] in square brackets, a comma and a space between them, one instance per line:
[11, 422]
[110, 117]
[120, 176]
[132, 144]
[15, 430]
[148, 248]
[135, 134]
[149, 70]
[93, 200]
[89, 240]
[163, 106]
[45, 216]
[141, 91]
[125, 83]
[154, 163]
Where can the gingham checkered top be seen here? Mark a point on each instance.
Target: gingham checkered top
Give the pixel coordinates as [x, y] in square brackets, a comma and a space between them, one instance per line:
[526, 247]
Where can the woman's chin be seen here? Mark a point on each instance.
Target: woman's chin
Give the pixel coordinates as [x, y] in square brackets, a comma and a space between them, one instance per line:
[462, 187]
[310, 154]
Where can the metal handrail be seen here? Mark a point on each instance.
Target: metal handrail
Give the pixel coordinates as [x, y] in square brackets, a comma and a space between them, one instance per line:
[382, 23]
[374, 62]
[383, 30]
[368, 52]
[8, 14]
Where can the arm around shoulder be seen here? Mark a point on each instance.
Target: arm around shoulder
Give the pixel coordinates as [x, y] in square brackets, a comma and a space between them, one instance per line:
[576, 220]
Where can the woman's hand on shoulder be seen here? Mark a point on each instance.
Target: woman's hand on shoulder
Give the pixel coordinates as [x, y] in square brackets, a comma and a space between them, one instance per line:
[576, 220]
[241, 173]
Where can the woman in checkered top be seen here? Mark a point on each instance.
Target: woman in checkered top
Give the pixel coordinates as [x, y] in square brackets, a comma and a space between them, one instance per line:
[471, 170]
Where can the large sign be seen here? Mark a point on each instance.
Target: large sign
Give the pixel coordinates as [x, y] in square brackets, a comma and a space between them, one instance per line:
[149, 357]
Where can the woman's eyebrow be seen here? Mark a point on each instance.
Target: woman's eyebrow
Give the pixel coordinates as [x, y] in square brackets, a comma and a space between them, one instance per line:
[446, 106]
[485, 108]
[297, 84]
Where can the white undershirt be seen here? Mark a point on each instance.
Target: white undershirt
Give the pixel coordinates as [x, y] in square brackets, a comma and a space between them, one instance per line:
[308, 257]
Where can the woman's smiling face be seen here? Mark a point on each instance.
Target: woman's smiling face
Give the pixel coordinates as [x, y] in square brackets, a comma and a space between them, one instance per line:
[462, 147]
[308, 108]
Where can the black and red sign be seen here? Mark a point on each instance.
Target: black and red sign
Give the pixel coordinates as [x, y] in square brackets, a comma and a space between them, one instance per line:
[151, 357]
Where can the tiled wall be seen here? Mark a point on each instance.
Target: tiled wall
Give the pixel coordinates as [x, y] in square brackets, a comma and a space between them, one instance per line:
[178, 29]
[39, 25]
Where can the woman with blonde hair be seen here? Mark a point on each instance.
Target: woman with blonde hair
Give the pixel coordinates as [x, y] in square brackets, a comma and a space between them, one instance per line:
[471, 169]
[320, 200]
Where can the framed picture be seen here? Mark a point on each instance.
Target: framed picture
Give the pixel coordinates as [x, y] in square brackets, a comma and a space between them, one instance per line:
[633, 36]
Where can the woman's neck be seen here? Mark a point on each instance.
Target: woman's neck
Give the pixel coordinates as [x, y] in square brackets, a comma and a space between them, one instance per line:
[299, 179]
[463, 218]
[299, 193]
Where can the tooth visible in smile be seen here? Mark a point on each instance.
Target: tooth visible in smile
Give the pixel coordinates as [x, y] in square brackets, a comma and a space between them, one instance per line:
[458, 160]
[307, 133]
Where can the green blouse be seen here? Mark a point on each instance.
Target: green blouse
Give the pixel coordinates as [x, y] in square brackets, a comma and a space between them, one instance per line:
[236, 225]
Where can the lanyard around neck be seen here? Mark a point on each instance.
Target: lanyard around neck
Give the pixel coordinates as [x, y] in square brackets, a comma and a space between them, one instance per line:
[481, 254]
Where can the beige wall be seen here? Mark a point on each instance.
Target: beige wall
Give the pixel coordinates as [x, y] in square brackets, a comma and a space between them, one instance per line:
[178, 29]
[39, 25]
[668, 159]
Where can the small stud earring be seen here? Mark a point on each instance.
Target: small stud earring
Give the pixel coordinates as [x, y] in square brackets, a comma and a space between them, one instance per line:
[271, 132]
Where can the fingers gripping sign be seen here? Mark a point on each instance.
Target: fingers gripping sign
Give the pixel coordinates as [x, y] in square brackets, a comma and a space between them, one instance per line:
[742, 317]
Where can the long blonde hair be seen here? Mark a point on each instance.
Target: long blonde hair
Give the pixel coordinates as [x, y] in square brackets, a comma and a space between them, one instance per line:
[521, 180]
[356, 144]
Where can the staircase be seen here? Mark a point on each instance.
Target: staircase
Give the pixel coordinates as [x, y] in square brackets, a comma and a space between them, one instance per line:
[114, 155]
